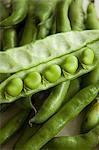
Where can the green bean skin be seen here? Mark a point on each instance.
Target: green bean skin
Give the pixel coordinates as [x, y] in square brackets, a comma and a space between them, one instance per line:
[12, 125]
[52, 103]
[68, 112]
[91, 118]
[76, 15]
[91, 21]
[20, 9]
[12, 60]
[62, 20]
[86, 141]
[9, 38]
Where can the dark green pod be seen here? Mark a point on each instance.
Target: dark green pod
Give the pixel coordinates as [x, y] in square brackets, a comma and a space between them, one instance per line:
[9, 38]
[12, 125]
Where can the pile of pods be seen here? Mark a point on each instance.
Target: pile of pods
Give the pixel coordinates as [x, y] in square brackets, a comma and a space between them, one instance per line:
[49, 72]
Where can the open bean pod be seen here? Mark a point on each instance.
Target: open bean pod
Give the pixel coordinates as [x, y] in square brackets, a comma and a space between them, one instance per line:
[46, 75]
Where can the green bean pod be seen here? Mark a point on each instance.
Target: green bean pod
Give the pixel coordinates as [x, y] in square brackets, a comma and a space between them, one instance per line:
[13, 125]
[91, 21]
[45, 76]
[73, 89]
[28, 132]
[3, 15]
[29, 32]
[62, 20]
[52, 103]
[53, 27]
[20, 9]
[9, 38]
[43, 9]
[1, 39]
[76, 15]
[3, 11]
[67, 113]
[91, 118]
[44, 28]
[51, 47]
[86, 141]
[92, 77]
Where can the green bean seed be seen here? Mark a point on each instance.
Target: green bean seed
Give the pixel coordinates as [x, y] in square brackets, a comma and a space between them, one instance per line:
[71, 64]
[53, 73]
[14, 87]
[87, 56]
[32, 80]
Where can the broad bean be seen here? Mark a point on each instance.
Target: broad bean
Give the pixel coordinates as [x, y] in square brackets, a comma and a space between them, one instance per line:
[32, 80]
[14, 87]
[52, 73]
[71, 64]
[87, 56]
